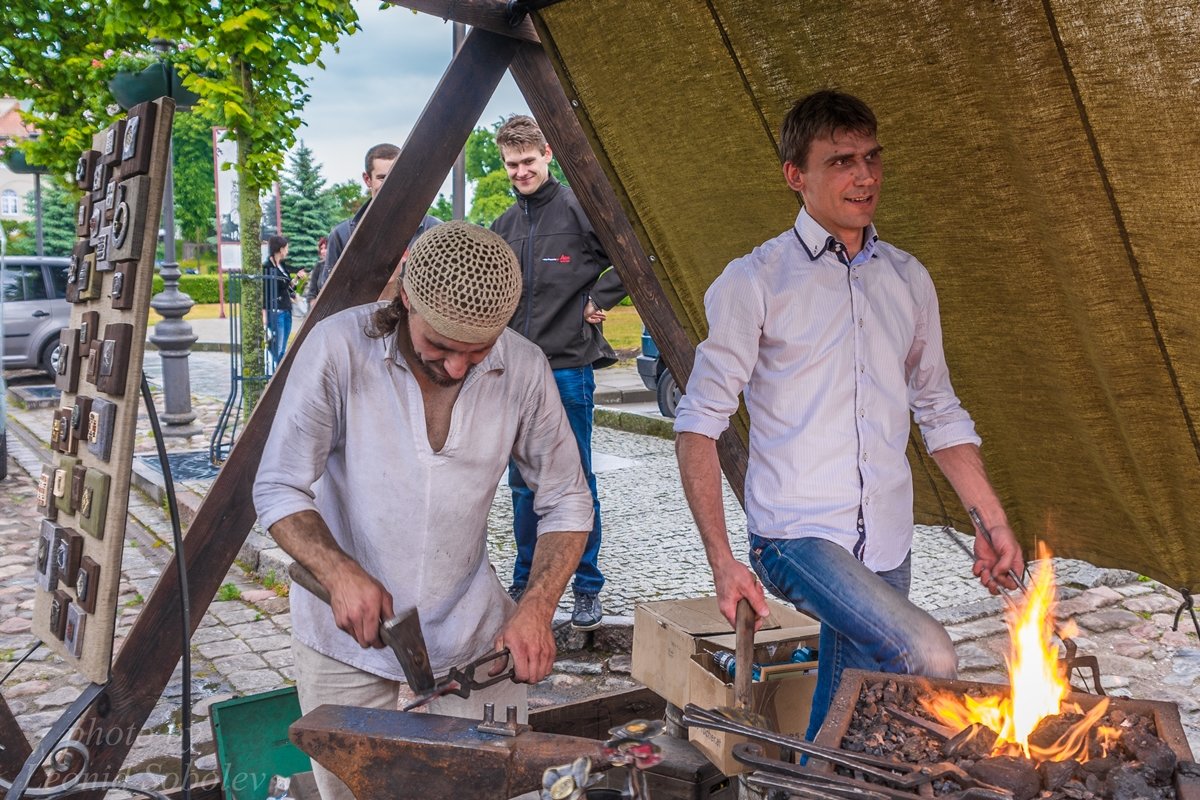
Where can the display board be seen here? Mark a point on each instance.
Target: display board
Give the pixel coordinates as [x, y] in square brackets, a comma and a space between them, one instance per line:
[83, 494]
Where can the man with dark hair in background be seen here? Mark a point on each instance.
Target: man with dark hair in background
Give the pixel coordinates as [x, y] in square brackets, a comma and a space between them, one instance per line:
[376, 166]
[835, 337]
[568, 283]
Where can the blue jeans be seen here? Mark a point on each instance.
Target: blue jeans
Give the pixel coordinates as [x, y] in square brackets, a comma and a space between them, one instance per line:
[867, 621]
[576, 387]
[280, 324]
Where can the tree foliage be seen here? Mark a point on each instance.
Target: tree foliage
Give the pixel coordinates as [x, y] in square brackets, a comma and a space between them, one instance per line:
[442, 208]
[347, 197]
[308, 209]
[195, 186]
[58, 224]
[241, 59]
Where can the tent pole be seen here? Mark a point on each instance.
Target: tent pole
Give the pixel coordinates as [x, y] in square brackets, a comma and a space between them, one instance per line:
[556, 115]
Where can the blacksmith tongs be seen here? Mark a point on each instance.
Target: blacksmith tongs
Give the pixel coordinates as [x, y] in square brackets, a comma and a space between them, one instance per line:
[1072, 662]
[461, 681]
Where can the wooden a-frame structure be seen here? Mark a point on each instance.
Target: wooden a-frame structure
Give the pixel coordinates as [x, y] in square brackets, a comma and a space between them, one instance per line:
[146, 660]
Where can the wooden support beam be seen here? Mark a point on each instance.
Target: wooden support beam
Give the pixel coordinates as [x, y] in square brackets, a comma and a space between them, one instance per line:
[14, 747]
[488, 15]
[555, 114]
[150, 653]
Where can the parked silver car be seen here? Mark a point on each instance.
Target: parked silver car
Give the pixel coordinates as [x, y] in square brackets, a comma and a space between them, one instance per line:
[35, 310]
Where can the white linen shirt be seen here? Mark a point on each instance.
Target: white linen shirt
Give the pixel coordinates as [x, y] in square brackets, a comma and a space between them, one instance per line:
[349, 441]
[832, 356]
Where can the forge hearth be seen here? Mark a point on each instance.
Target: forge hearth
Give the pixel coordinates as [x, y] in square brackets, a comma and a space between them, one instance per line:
[859, 723]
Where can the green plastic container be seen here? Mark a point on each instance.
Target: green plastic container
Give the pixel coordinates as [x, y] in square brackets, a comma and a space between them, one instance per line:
[252, 742]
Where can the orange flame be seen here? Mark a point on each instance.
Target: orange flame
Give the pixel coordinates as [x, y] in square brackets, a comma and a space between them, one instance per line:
[1037, 685]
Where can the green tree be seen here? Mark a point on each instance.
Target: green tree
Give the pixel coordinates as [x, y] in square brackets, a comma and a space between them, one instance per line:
[195, 185]
[58, 224]
[493, 196]
[240, 57]
[346, 198]
[482, 156]
[443, 209]
[244, 67]
[308, 213]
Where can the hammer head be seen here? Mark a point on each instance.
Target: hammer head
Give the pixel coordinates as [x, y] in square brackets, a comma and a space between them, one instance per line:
[403, 634]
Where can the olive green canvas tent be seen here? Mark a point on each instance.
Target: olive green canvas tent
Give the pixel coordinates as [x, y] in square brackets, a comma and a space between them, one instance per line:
[1041, 159]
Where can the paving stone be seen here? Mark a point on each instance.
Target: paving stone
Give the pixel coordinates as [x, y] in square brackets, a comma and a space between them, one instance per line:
[57, 698]
[1135, 589]
[280, 658]
[26, 688]
[239, 663]
[1133, 649]
[1151, 603]
[256, 629]
[972, 656]
[1109, 619]
[621, 663]
[573, 667]
[222, 648]
[255, 595]
[233, 612]
[256, 680]
[205, 763]
[979, 629]
[211, 633]
[261, 644]
[16, 625]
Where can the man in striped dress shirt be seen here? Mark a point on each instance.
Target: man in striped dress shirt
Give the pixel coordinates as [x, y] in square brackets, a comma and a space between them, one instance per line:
[835, 338]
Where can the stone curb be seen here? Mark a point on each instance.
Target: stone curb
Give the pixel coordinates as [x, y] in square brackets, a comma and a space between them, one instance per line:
[634, 423]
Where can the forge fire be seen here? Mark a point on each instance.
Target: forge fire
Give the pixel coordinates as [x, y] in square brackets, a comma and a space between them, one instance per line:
[1034, 738]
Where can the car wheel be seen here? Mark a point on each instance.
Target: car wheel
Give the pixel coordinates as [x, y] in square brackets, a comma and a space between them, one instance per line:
[668, 394]
[49, 358]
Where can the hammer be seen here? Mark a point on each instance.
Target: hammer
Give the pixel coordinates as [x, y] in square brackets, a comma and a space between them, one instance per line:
[402, 633]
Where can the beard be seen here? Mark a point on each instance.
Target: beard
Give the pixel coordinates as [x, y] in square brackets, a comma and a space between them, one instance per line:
[412, 357]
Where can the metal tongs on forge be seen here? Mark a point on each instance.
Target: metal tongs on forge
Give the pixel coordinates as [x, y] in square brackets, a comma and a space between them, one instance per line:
[888, 773]
[1073, 663]
[461, 681]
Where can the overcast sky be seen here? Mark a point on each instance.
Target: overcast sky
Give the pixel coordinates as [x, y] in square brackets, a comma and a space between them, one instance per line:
[374, 89]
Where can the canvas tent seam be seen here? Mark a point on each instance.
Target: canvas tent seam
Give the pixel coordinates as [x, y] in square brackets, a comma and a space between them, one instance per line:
[1119, 220]
[741, 71]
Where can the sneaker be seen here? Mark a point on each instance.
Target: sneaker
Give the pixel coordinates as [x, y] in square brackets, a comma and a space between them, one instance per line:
[515, 592]
[588, 613]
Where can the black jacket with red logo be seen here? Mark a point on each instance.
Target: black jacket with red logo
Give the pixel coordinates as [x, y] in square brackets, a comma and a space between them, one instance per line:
[562, 265]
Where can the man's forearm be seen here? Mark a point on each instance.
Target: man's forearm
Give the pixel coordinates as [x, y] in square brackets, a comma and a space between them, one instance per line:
[555, 559]
[305, 537]
[963, 466]
[700, 472]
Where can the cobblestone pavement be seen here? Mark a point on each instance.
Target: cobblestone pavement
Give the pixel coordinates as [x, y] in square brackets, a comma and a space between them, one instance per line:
[650, 552]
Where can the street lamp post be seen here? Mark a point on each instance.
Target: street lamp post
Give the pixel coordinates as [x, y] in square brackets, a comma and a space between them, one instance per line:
[173, 336]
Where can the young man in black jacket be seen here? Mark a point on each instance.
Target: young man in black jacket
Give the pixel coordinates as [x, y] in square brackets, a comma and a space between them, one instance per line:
[568, 283]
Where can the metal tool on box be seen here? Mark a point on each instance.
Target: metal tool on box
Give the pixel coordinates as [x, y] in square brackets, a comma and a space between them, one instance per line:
[402, 633]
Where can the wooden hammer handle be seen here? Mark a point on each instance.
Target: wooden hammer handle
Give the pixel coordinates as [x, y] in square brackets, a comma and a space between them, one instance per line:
[744, 654]
[300, 574]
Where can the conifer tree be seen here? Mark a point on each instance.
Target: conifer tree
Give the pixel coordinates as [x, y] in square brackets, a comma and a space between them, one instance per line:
[308, 213]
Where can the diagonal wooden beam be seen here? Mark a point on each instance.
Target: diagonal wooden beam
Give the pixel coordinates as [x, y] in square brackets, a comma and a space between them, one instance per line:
[488, 15]
[537, 80]
[150, 653]
[14, 747]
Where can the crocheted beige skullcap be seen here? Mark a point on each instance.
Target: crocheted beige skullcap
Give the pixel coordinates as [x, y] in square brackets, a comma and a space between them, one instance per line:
[463, 280]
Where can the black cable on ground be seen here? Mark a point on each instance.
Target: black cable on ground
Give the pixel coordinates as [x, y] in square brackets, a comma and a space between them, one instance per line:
[21, 660]
[184, 604]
